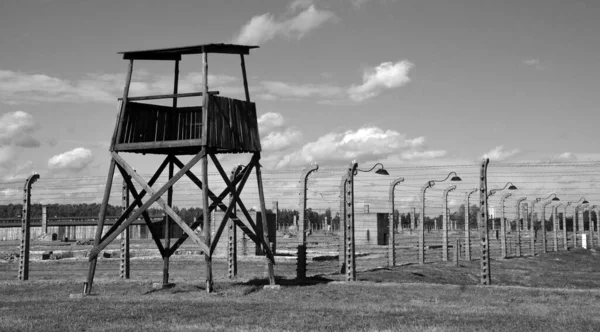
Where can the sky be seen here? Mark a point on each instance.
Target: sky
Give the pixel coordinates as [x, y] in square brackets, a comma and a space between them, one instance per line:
[406, 82]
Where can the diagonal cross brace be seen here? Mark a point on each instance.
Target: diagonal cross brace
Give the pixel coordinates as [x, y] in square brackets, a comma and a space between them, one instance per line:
[215, 204]
[235, 198]
[155, 196]
[135, 195]
[253, 162]
[218, 202]
[137, 199]
[168, 210]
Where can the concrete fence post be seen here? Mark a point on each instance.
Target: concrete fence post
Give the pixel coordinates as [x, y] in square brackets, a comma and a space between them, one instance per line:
[503, 225]
[301, 263]
[445, 222]
[456, 251]
[44, 220]
[232, 252]
[518, 228]
[532, 227]
[26, 228]
[483, 224]
[543, 226]
[555, 227]
[467, 224]
[392, 236]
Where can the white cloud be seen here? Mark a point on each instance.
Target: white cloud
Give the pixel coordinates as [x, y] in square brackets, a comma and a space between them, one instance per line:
[282, 89]
[499, 153]
[17, 129]
[429, 154]
[280, 140]
[269, 122]
[367, 143]
[74, 160]
[265, 27]
[18, 87]
[535, 63]
[387, 75]
[276, 136]
[567, 156]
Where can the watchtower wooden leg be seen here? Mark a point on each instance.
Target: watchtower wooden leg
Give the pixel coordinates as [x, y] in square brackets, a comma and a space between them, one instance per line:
[167, 253]
[263, 211]
[207, 232]
[87, 289]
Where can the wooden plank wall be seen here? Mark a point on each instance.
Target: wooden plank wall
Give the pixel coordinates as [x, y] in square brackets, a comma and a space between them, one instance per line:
[232, 125]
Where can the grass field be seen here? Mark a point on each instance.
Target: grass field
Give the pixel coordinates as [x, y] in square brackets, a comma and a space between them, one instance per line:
[550, 292]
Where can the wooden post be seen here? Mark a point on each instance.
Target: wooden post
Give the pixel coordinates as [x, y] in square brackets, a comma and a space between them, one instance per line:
[270, 270]
[413, 221]
[122, 107]
[483, 224]
[124, 270]
[204, 167]
[265, 223]
[25, 228]
[167, 246]
[301, 263]
[87, 287]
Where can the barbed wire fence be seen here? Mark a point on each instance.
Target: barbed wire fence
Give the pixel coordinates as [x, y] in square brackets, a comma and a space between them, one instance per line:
[519, 233]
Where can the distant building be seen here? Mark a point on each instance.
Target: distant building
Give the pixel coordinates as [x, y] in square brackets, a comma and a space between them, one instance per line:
[491, 212]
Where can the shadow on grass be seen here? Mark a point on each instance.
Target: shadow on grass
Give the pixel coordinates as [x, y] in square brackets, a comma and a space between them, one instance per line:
[309, 281]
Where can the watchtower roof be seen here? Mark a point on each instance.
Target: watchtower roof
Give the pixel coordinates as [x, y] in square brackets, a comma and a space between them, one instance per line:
[174, 53]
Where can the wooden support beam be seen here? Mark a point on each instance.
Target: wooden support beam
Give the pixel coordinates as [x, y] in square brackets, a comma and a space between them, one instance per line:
[218, 201]
[122, 107]
[169, 96]
[137, 199]
[235, 198]
[147, 219]
[155, 197]
[87, 288]
[265, 222]
[168, 226]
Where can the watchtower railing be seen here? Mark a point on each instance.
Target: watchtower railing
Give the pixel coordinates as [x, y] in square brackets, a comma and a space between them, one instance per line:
[231, 127]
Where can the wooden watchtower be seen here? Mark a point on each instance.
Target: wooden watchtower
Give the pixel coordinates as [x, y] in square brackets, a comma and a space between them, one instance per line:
[219, 125]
